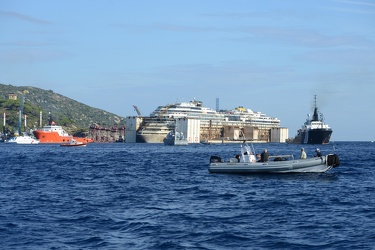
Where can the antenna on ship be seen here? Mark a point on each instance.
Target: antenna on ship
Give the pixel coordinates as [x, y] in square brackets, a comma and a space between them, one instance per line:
[40, 119]
[4, 122]
[315, 101]
[315, 115]
[19, 125]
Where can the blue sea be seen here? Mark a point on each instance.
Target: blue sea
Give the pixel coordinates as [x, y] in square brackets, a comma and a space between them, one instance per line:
[151, 196]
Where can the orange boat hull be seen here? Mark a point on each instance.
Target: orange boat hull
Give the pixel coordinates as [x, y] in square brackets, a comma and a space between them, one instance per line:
[54, 137]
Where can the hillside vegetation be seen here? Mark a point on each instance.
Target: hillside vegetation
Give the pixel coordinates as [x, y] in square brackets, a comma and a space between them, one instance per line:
[74, 116]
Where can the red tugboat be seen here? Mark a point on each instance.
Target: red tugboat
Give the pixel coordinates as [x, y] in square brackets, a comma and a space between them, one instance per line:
[52, 133]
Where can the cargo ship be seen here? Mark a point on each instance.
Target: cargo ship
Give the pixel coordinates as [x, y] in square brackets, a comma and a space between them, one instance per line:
[52, 133]
[314, 130]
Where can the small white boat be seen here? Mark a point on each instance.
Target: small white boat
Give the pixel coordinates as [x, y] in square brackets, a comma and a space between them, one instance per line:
[23, 139]
[276, 164]
[73, 143]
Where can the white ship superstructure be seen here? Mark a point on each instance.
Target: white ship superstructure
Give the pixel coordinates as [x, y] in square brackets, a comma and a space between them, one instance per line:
[249, 117]
[154, 128]
[193, 109]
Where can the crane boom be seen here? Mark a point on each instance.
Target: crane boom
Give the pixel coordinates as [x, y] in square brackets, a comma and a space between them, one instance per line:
[137, 110]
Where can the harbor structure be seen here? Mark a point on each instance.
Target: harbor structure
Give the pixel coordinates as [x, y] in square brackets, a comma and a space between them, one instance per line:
[103, 133]
[186, 131]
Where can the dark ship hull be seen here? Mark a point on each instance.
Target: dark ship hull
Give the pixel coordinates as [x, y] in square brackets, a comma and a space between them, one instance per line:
[315, 136]
[313, 131]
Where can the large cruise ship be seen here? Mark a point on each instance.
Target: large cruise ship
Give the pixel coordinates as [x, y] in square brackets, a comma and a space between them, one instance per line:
[161, 121]
[155, 127]
[314, 130]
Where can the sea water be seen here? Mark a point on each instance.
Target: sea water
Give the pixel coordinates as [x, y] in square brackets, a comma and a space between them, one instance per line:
[151, 196]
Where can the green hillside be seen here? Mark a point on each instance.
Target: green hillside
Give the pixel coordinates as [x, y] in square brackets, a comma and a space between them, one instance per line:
[74, 116]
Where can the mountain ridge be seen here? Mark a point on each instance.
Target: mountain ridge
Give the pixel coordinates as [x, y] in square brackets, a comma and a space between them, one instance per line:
[69, 113]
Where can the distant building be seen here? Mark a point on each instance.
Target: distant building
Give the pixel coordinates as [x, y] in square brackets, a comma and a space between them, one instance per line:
[12, 96]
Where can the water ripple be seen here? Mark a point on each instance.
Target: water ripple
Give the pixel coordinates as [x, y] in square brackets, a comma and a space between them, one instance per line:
[144, 196]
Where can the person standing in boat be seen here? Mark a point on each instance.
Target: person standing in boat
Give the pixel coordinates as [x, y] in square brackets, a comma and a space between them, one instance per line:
[303, 154]
[318, 153]
[264, 156]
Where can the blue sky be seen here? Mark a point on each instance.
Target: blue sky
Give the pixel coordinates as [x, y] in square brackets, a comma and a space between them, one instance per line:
[270, 56]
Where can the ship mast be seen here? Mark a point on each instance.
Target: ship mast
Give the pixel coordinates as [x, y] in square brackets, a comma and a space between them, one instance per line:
[21, 111]
[315, 115]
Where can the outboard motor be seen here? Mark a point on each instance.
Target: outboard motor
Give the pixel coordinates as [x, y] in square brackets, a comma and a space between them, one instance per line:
[333, 160]
[215, 159]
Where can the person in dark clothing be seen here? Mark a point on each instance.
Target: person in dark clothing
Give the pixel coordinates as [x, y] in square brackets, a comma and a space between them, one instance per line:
[238, 157]
[318, 153]
[264, 156]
